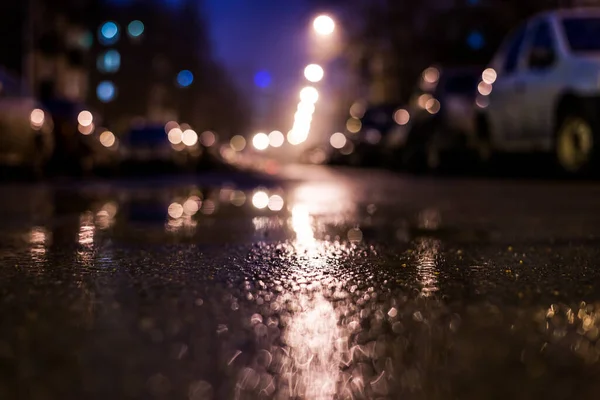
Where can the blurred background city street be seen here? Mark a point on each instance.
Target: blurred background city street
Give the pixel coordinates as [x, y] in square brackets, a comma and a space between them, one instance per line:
[311, 199]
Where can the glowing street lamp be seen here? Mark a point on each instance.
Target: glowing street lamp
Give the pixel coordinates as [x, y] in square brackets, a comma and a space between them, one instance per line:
[324, 25]
[314, 73]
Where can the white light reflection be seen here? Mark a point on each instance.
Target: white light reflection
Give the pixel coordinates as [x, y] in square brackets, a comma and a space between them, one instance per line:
[427, 272]
[38, 241]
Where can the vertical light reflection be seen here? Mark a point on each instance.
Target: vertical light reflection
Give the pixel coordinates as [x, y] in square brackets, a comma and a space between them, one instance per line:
[302, 226]
[38, 243]
[427, 272]
[85, 237]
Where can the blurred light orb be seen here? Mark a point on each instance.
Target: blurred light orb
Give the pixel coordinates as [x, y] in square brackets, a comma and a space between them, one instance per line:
[401, 116]
[357, 110]
[276, 139]
[353, 125]
[86, 130]
[423, 99]
[175, 210]
[294, 138]
[175, 136]
[191, 205]
[109, 62]
[260, 200]
[185, 78]
[338, 140]
[314, 73]
[37, 118]
[208, 138]
[238, 143]
[260, 141]
[106, 91]
[489, 76]
[432, 106]
[275, 203]
[237, 198]
[431, 75]
[324, 25]
[171, 125]
[482, 101]
[306, 108]
[484, 88]
[189, 137]
[262, 79]
[135, 28]
[475, 40]
[309, 95]
[107, 139]
[109, 33]
[85, 118]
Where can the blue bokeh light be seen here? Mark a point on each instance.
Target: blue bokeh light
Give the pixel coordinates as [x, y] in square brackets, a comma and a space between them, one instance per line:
[262, 79]
[109, 33]
[109, 62]
[185, 78]
[475, 40]
[135, 28]
[106, 91]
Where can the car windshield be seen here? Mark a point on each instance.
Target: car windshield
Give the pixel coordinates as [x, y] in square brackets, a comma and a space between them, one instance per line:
[583, 34]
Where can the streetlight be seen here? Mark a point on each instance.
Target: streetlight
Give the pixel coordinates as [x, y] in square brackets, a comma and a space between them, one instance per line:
[314, 73]
[324, 25]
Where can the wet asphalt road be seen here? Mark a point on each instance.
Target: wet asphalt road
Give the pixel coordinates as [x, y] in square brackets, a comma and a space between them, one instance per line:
[317, 284]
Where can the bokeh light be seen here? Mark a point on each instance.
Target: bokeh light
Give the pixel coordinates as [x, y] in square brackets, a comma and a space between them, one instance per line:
[423, 99]
[431, 75]
[324, 25]
[276, 139]
[489, 76]
[85, 118]
[106, 91]
[185, 78]
[358, 110]
[108, 33]
[309, 95]
[109, 61]
[260, 200]
[135, 29]
[37, 118]
[192, 205]
[338, 140]
[260, 141]
[484, 88]
[314, 73]
[432, 106]
[275, 203]
[238, 143]
[107, 139]
[189, 137]
[175, 210]
[170, 125]
[175, 135]
[262, 79]
[86, 130]
[401, 116]
[353, 125]
[208, 138]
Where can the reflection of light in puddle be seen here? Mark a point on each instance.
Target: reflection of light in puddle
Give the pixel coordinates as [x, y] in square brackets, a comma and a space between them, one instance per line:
[311, 335]
[302, 226]
[38, 240]
[427, 252]
[86, 229]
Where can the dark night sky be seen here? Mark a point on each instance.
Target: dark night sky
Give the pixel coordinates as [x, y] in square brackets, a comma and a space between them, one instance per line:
[253, 35]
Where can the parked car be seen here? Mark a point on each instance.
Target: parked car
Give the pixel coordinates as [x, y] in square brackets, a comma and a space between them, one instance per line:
[379, 136]
[26, 140]
[541, 91]
[150, 144]
[442, 116]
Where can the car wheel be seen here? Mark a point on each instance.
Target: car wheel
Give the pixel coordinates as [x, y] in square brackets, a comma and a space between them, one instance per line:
[575, 144]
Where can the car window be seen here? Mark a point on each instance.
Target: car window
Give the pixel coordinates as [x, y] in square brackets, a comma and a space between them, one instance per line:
[514, 50]
[583, 34]
[542, 37]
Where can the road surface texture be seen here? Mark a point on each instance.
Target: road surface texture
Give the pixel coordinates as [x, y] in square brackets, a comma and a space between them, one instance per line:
[317, 284]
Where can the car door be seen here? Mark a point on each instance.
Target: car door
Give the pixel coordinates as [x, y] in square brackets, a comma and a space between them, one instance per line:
[540, 84]
[506, 95]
